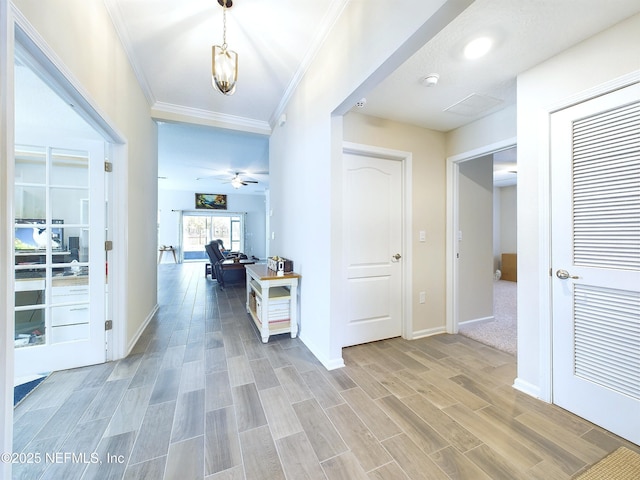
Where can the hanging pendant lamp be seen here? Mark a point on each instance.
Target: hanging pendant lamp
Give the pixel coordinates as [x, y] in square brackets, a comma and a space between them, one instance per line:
[224, 63]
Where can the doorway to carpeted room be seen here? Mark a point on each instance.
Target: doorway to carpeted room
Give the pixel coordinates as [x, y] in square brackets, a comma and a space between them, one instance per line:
[501, 332]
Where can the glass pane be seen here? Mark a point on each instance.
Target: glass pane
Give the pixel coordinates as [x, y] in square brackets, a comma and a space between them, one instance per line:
[30, 204]
[195, 236]
[31, 165]
[83, 250]
[70, 314]
[222, 230]
[30, 313]
[67, 204]
[69, 167]
[69, 322]
[27, 246]
[30, 329]
[71, 287]
[235, 234]
[30, 287]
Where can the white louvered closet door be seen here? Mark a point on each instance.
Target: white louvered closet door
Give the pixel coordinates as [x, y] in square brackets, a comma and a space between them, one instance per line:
[595, 175]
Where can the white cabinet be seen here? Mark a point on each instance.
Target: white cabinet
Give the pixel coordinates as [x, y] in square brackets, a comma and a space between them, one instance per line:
[272, 301]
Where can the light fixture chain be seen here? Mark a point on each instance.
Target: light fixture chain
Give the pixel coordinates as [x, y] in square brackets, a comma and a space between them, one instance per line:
[224, 25]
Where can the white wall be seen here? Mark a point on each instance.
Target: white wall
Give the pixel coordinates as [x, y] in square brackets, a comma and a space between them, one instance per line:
[602, 58]
[305, 153]
[6, 241]
[475, 247]
[171, 201]
[488, 130]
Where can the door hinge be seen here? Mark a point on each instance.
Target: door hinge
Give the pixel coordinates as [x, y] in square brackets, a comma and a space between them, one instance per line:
[108, 325]
[108, 245]
[108, 167]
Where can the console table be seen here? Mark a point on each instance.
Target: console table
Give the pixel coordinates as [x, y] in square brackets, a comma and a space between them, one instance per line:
[165, 248]
[272, 301]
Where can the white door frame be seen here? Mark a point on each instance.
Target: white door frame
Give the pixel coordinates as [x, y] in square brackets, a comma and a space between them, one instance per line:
[453, 173]
[14, 24]
[407, 221]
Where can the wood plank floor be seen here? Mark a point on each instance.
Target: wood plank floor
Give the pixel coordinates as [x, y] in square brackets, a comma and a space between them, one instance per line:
[201, 396]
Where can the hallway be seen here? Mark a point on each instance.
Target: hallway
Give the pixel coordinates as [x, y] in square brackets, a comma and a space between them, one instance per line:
[202, 397]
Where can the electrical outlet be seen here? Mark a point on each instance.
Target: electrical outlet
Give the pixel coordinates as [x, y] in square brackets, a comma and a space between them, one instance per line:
[423, 297]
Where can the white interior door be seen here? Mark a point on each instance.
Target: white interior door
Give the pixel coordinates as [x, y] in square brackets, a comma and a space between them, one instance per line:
[60, 277]
[595, 157]
[373, 223]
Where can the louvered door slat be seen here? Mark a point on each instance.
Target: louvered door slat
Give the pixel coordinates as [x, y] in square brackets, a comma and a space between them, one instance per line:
[607, 336]
[606, 188]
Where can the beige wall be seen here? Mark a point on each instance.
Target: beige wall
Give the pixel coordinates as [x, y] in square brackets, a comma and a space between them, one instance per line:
[505, 223]
[508, 219]
[82, 35]
[475, 245]
[428, 206]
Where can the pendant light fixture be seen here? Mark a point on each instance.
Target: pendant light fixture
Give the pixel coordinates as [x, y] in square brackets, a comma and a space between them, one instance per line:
[224, 63]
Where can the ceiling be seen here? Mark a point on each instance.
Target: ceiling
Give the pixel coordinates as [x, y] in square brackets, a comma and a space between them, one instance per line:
[169, 44]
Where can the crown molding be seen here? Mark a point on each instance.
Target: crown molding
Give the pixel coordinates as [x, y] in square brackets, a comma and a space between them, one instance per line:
[118, 23]
[177, 113]
[327, 23]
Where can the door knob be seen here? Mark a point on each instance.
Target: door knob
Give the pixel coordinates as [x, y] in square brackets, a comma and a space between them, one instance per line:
[397, 256]
[563, 275]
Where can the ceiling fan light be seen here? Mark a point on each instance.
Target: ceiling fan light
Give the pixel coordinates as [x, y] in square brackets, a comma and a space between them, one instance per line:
[224, 69]
[236, 182]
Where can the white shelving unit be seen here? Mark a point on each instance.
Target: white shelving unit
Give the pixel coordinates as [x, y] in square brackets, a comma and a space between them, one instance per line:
[272, 301]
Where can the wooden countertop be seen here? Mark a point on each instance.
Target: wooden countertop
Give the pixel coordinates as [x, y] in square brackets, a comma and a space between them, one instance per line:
[261, 271]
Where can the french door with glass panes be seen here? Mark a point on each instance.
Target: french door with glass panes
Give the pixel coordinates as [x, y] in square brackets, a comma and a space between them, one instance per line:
[60, 277]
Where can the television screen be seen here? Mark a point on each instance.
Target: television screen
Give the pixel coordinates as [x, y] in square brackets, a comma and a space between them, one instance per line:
[35, 237]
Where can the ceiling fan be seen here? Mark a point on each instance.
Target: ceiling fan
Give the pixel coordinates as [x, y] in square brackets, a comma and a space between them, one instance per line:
[236, 178]
[237, 181]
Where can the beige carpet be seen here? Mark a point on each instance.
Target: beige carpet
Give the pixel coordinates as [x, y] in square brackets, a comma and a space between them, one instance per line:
[500, 332]
[623, 464]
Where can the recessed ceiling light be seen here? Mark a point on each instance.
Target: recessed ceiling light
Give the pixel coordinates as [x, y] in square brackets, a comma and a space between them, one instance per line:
[478, 47]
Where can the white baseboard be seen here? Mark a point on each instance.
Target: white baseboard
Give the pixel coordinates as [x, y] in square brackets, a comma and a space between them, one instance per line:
[526, 387]
[428, 332]
[328, 363]
[140, 331]
[477, 320]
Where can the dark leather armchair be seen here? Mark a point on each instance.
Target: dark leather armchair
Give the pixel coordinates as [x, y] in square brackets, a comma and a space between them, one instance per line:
[215, 257]
[228, 254]
[220, 263]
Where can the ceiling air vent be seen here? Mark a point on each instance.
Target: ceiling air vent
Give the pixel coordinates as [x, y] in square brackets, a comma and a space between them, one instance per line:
[473, 105]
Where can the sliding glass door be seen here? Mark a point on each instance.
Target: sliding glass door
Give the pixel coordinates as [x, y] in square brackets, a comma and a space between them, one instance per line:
[199, 228]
